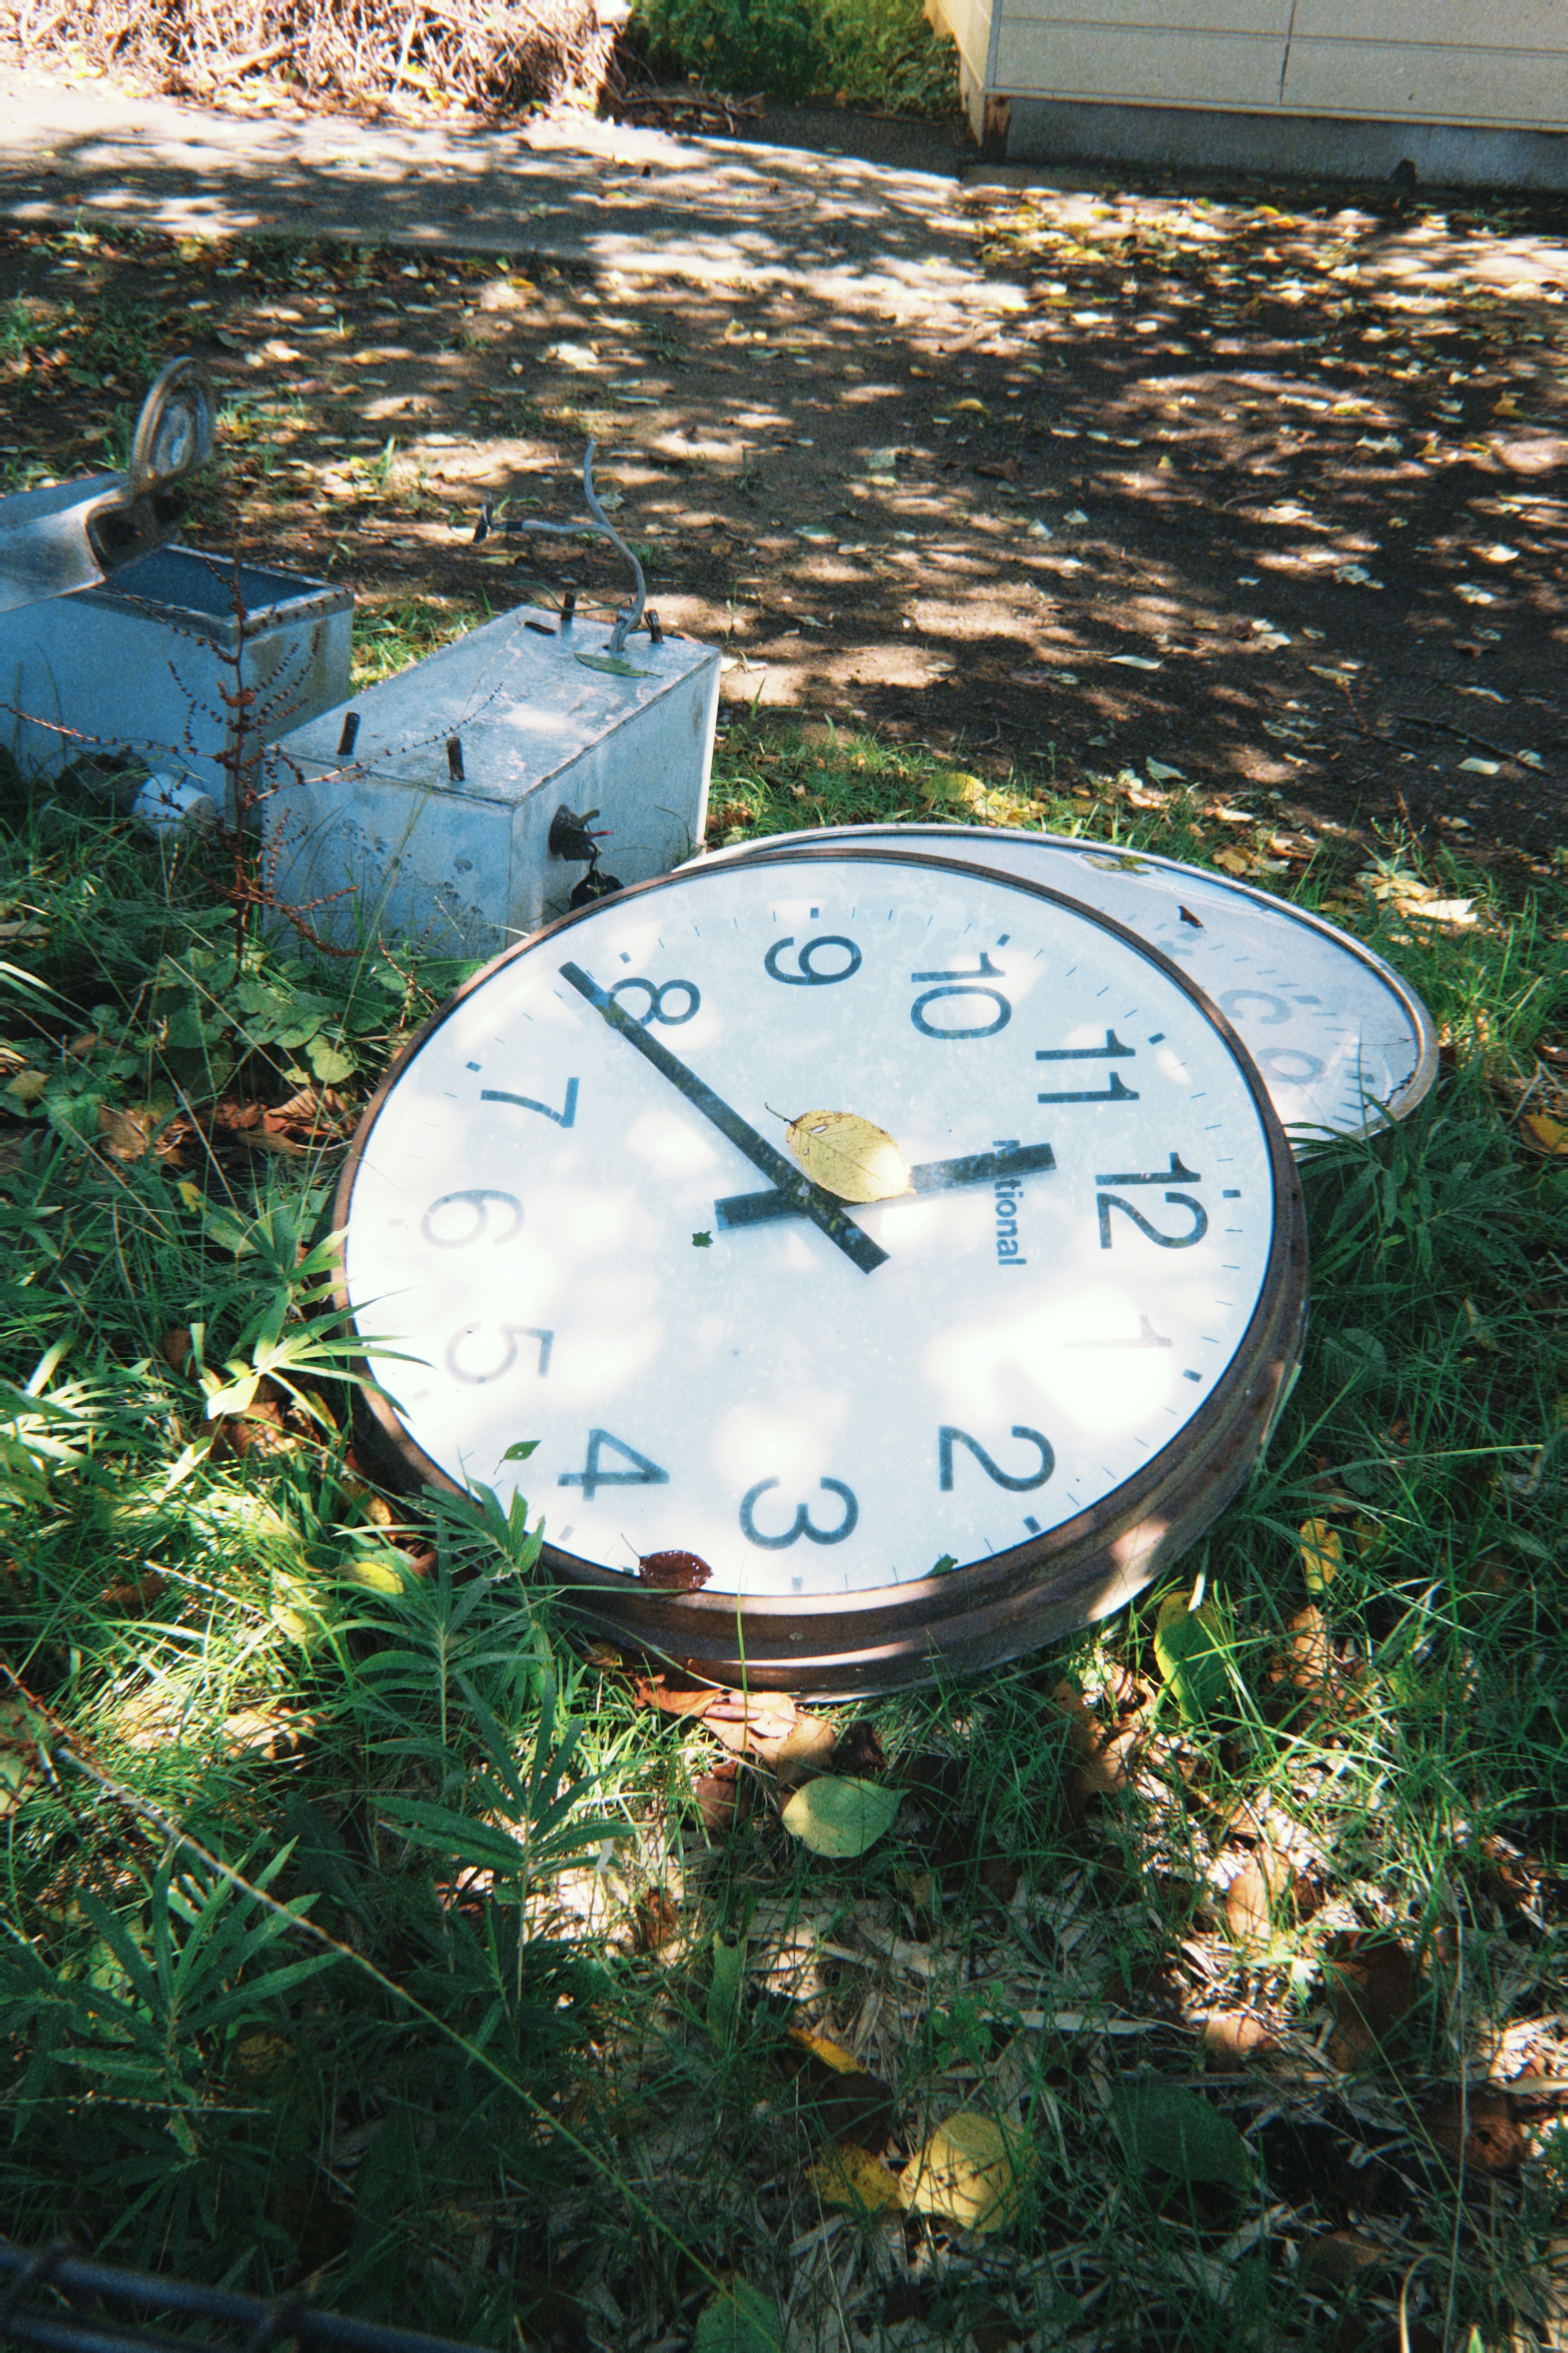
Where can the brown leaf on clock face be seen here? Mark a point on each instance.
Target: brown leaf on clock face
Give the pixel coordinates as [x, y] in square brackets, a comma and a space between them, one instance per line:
[673, 1572]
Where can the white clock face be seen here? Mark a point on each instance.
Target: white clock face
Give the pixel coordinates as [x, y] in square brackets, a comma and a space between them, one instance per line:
[1341, 1043]
[576, 1203]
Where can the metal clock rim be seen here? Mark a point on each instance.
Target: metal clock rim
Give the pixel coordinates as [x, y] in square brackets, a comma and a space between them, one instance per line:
[677, 1624]
[1428, 1054]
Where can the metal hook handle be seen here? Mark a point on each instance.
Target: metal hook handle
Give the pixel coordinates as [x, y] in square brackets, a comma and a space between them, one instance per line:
[628, 616]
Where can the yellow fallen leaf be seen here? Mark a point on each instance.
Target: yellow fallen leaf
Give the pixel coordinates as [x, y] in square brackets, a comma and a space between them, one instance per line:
[1235, 861]
[976, 407]
[1323, 1555]
[1547, 1135]
[847, 2176]
[970, 2173]
[848, 1155]
[830, 2053]
[27, 1086]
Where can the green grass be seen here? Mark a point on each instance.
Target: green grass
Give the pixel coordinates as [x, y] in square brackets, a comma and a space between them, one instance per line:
[527, 2073]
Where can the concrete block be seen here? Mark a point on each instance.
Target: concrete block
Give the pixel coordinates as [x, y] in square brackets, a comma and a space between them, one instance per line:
[452, 848]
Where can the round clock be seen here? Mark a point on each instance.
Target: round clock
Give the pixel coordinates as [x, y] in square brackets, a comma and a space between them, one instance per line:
[1344, 1045]
[907, 1243]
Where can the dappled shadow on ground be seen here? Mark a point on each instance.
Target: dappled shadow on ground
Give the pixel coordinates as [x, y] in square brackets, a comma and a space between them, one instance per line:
[1265, 497]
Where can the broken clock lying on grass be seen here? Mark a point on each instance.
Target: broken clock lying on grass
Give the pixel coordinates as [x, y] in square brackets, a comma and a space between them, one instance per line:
[907, 1434]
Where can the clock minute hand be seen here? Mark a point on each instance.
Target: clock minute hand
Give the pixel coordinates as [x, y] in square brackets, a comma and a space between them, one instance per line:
[803, 1197]
[931, 1176]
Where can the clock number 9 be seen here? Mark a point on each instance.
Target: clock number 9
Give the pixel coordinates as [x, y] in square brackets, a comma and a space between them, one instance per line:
[1106, 1202]
[948, 1438]
[984, 970]
[809, 976]
[802, 1525]
[447, 1227]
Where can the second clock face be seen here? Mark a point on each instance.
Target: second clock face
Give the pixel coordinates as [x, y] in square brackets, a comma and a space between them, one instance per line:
[565, 1206]
[1342, 1043]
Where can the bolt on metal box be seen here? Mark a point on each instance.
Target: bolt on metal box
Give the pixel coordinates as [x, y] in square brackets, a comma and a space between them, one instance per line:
[424, 809]
[141, 664]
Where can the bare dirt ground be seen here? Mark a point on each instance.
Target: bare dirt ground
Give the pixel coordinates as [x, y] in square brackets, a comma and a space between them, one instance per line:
[1260, 486]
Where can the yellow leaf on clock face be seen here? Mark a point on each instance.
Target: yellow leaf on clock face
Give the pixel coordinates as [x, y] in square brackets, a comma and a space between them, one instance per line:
[848, 1155]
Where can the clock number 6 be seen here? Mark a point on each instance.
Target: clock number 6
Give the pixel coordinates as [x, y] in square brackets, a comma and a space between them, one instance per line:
[984, 970]
[1106, 1202]
[447, 1227]
[948, 1438]
[809, 976]
[802, 1525]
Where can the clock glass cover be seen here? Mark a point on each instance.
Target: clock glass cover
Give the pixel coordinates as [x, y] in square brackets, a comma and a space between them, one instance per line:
[574, 1201]
[1342, 1043]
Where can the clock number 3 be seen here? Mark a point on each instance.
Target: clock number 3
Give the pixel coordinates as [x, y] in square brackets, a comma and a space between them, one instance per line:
[948, 1438]
[809, 976]
[802, 1525]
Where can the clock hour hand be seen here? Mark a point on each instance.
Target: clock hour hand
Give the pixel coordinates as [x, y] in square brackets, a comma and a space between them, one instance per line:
[932, 1177]
[801, 1196]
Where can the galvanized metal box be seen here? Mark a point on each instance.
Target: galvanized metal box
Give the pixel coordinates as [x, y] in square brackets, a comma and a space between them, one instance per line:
[142, 663]
[450, 846]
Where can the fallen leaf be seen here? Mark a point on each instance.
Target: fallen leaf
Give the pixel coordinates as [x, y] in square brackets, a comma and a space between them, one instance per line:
[1479, 2129]
[840, 1818]
[739, 2319]
[1235, 861]
[1162, 773]
[1374, 1984]
[717, 1795]
[1189, 1645]
[1249, 1900]
[1545, 1134]
[1235, 2034]
[806, 1749]
[848, 1155]
[1481, 767]
[1132, 662]
[849, 2176]
[27, 1087]
[1181, 2133]
[673, 1572]
[1323, 1555]
[1308, 1660]
[969, 2172]
[20, 1732]
[973, 407]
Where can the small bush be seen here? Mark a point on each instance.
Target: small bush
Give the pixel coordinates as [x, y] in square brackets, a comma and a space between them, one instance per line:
[871, 53]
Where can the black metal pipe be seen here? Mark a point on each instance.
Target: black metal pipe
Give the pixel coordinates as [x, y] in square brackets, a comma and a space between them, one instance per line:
[263, 2317]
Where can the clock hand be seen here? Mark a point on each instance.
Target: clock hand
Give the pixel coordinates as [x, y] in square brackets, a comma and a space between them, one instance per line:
[932, 1177]
[804, 1198]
